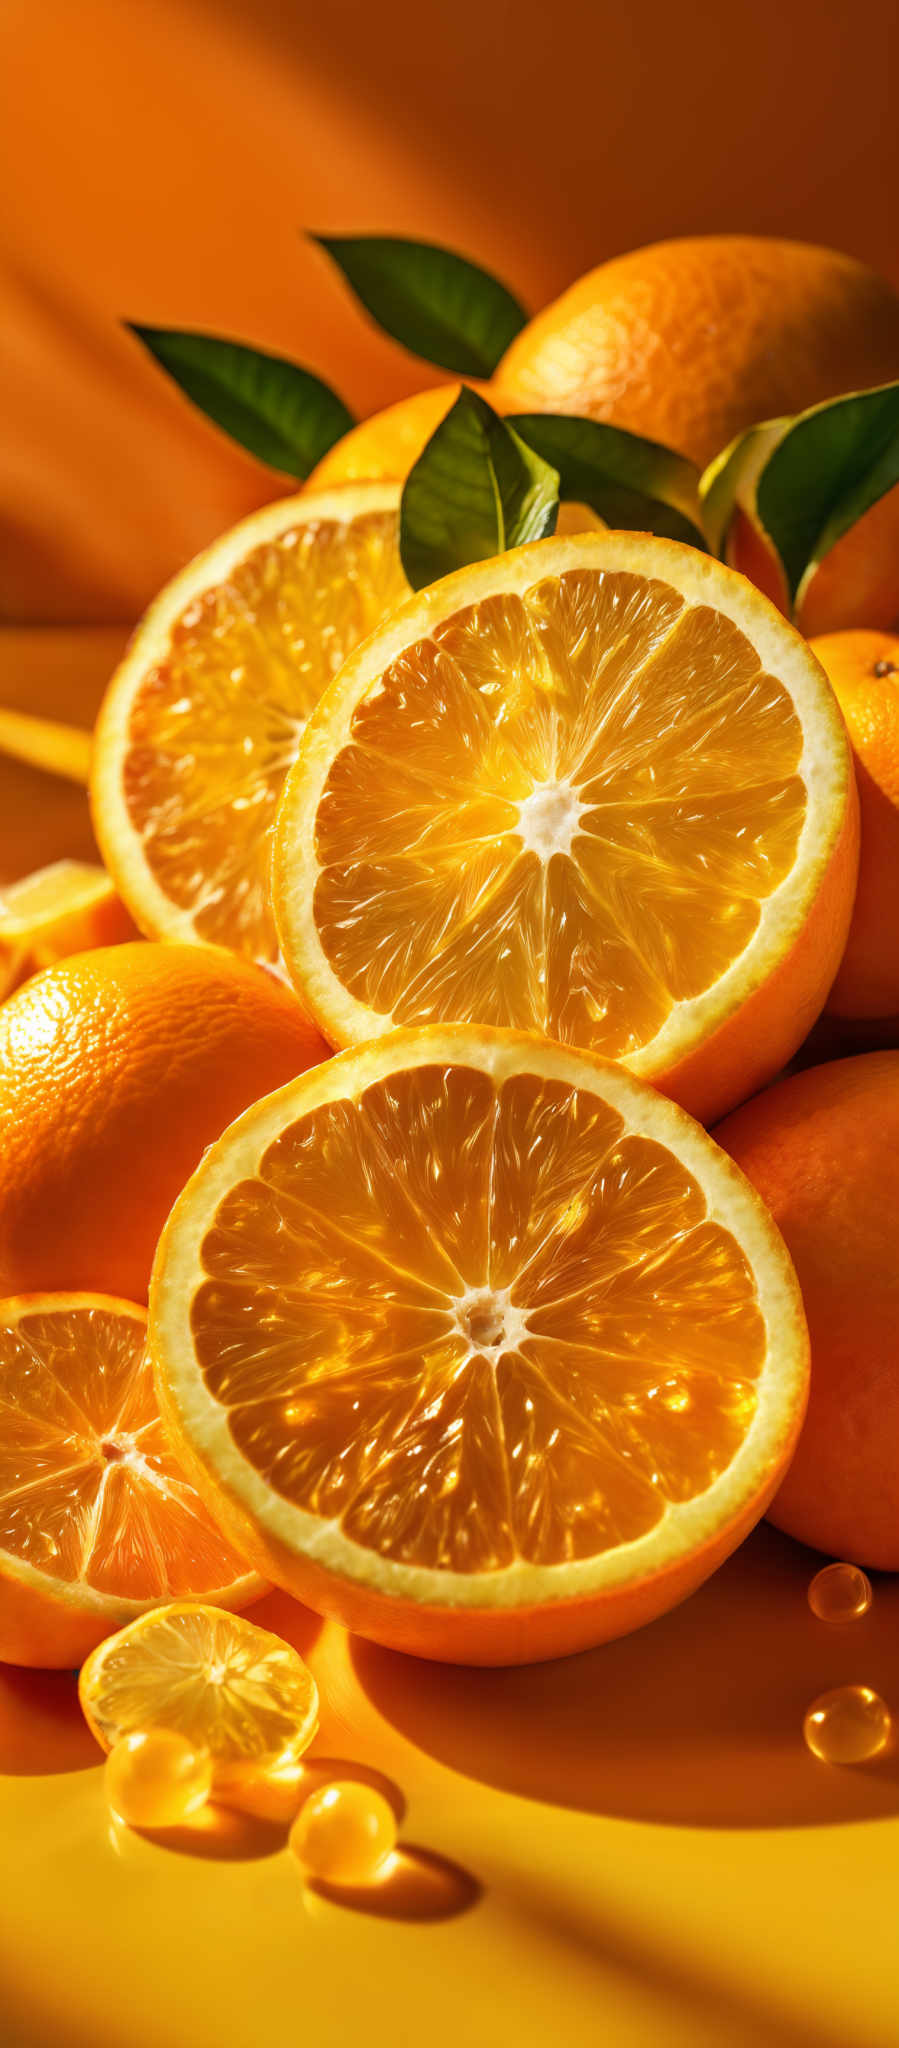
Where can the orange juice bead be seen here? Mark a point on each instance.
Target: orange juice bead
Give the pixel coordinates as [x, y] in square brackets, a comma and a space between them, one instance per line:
[155, 1778]
[343, 1833]
[848, 1725]
[841, 1592]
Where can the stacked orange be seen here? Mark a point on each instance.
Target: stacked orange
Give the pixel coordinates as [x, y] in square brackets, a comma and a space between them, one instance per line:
[470, 1336]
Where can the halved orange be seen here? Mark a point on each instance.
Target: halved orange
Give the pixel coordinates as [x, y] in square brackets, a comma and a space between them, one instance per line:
[97, 1518]
[598, 788]
[203, 717]
[479, 1344]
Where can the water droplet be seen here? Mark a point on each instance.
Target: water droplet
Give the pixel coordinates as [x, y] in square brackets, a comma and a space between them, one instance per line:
[847, 1726]
[841, 1592]
[155, 1778]
[344, 1833]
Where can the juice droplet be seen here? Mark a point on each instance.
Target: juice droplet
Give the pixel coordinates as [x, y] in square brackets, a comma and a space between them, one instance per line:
[841, 1592]
[847, 1726]
[155, 1778]
[343, 1833]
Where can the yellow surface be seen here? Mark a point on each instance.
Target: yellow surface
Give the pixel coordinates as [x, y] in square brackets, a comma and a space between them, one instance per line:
[661, 1863]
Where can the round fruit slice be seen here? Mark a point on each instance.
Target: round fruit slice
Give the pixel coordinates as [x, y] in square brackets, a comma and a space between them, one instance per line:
[203, 718]
[478, 1344]
[97, 1518]
[229, 1687]
[596, 788]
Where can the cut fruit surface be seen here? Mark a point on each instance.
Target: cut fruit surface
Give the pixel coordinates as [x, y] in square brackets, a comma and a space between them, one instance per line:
[233, 1689]
[97, 1518]
[65, 908]
[204, 716]
[479, 1344]
[596, 788]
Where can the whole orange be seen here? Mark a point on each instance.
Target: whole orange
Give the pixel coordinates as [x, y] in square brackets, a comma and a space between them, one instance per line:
[855, 584]
[386, 445]
[823, 1151]
[864, 671]
[117, 1068]
[691, 341]
[382, 449]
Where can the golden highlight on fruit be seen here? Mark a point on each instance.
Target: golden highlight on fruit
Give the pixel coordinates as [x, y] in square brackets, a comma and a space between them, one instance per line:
[97, 1517]
[478, 1344]
[595, 788]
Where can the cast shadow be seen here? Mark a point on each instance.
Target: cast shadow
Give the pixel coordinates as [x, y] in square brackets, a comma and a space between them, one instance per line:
[416, 1885]
[42, 1728]
[251, 1820]
[695, 1720]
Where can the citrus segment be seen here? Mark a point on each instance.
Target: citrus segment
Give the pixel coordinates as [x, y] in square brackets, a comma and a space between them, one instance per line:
[479, 1343]
[65, 908]
[230, 1688]
[97, 1518]
[204, 716]
[594, 788]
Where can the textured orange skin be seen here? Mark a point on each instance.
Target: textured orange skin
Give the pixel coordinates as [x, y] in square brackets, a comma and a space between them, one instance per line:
[117, 1068]
[867, 984]
[43, 1633]
[823, 1151]
[458, 1635]
[386, 445]
[691, 341]
[759, 1038]
[857, 583]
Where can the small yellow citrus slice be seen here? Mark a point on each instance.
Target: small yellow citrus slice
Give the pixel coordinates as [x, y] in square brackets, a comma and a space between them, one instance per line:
[230, 1688]
[204, 716]
[478, 1343]
[97, 1517]
[65, 908]
[596, 788]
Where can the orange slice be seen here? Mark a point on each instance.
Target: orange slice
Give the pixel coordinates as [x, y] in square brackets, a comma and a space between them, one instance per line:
[68, 907]
[233, 1689]
[479, 1344]
[204, 716]
[597, 788]
[97, 1519]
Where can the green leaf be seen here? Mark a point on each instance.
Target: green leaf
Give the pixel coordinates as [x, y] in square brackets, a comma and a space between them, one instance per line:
[830, 467]
[475, 490]
[441, 307]
[629, 482]
[731, 479]
[281, 413]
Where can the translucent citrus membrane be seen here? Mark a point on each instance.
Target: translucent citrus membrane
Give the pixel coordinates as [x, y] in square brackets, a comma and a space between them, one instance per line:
[227, 1686]
[89, 1489]
[215, 727]
[472, 1322]
[561, 811]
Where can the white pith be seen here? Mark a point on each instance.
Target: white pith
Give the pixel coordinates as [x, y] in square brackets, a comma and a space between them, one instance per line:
[683, 1527]
[824, 767]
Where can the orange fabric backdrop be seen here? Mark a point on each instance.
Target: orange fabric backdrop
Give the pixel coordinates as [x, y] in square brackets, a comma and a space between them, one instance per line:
[159, 159]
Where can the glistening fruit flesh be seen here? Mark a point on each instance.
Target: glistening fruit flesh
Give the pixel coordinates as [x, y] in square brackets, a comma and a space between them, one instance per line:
[595, 788]
[97, 1517]
[478, 1343]
[204, 716]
